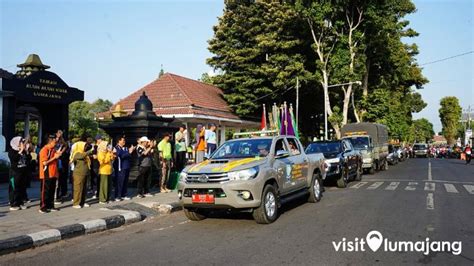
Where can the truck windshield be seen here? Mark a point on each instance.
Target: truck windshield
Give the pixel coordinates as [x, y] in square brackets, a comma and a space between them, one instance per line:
[324, 147]
[360, 143]
[243, 149]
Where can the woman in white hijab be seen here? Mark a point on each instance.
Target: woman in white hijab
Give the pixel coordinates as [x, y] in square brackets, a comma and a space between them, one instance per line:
[19, 166]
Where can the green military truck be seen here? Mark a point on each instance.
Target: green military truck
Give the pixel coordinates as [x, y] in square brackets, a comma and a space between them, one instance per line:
[371, 140]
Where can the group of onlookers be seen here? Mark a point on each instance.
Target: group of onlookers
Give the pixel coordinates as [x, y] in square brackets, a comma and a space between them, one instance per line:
[95, 167]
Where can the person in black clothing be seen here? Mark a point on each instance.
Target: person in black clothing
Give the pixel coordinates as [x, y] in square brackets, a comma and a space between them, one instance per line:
[19, 166]
[63, 167]
[145, 160]
[95, 177]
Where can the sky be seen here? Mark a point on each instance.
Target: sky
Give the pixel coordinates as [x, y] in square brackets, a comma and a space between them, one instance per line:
[111, 48]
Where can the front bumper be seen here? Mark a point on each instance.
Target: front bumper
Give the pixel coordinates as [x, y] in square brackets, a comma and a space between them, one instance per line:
[231, 190]
[333, 170]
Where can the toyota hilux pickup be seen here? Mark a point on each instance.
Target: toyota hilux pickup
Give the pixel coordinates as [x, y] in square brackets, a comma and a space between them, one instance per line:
[253, 174]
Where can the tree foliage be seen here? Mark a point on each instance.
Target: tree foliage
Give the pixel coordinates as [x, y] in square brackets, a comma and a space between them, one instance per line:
[260, 47]
[421, 130]
[82, 117]
[450, 115]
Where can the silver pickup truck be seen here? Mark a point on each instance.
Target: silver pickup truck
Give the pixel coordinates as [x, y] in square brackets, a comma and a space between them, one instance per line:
[255, 174]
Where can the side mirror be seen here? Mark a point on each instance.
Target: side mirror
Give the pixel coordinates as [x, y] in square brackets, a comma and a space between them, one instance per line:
[282, 154]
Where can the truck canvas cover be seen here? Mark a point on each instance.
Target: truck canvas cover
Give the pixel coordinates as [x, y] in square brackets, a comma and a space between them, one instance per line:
[378, 132]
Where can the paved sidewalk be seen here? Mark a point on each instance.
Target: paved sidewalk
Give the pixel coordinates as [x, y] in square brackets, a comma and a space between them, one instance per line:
[30, 221]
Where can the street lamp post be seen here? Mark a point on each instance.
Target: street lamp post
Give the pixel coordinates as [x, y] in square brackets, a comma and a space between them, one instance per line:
[326, 96]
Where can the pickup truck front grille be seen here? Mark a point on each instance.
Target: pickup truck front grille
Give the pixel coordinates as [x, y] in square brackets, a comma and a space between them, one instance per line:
[207, 178]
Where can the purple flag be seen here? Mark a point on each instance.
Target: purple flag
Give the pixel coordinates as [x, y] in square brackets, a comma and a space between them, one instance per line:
[286, 123]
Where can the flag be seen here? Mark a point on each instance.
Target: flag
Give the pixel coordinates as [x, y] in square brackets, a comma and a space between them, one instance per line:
[293, 121]
[286, 123]
[263, 123]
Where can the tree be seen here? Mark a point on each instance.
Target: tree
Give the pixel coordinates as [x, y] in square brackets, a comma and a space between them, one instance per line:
[421, 130]
[450, 115]
[260, 47]
[258, 51]
[82, 117]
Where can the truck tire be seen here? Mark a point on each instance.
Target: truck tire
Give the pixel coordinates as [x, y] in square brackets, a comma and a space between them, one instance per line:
[267, 212]
[358, 176]
[372, 169]
[194, 215]
[315, 190]
[342, 181]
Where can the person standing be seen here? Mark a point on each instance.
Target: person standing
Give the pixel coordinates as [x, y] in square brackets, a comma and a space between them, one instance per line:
[48, 173]
[200, 143]
[18, 172]
[144, 153]
[63, 169]
[164, 149]
[468, 152]
[82, 165]
[95, 175]
[122, 169]
[211, 139]
[105, 158]
[180, 148]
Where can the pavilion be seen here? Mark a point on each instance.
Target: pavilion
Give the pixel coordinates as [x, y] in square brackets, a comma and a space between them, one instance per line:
[188, 101]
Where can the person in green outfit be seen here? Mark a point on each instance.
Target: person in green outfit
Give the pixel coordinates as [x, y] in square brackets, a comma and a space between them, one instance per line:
[180, 148]
[82, 164]
[105, 157]
[165, 155]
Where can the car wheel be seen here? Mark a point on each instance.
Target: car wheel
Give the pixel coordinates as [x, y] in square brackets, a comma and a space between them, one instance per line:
[359, 173]
[194, 215]
[315, 190]
[342, 181]
[267, 212]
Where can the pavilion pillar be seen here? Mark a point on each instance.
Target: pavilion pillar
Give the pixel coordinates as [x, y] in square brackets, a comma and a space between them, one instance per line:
[222, 133]
[26, 132]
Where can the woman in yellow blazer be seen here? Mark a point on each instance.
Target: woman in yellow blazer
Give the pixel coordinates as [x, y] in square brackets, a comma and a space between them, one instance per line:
[105, 157]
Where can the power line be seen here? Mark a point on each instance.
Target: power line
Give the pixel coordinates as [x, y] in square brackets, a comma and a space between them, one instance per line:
[265, 96]
[447, 58]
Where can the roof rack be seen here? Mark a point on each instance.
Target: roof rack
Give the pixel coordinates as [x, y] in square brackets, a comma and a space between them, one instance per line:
[262, 133]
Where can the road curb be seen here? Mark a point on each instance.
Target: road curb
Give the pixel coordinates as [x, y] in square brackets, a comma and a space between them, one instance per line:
[20, 243]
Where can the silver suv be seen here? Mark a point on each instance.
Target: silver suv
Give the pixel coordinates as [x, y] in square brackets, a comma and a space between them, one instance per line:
[252, 174]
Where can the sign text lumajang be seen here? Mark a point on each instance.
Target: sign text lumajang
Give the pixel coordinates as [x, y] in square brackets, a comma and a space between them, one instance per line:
[375, 241]
[47, 89]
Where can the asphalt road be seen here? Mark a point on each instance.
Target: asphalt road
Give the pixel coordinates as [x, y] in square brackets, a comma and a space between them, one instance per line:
[412, 201]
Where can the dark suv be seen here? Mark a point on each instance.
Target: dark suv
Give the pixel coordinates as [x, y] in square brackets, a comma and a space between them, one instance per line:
[343, 162]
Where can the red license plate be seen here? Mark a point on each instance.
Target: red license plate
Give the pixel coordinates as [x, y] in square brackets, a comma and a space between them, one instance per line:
[203, 198]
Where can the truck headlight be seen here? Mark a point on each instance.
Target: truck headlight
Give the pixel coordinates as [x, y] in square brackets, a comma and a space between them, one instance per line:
[183, 176]
[246, 174]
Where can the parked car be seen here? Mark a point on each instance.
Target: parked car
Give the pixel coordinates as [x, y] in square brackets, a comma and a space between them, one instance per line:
[420, 150]
[255, 174]
[343, 162]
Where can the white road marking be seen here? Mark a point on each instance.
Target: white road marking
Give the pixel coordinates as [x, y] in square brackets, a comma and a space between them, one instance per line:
[392, 186]
[411, 186]
[450, 188]
[429, 170]
[430, 201]
[375, 185]
[429, 186]
[469, 188]
[358, 185]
